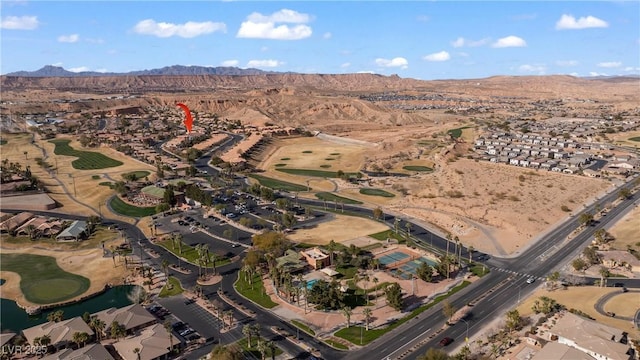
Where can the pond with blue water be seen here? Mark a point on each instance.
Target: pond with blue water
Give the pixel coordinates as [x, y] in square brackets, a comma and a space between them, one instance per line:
[15, 319]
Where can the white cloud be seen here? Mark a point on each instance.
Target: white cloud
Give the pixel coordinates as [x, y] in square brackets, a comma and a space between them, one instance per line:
[263, 63]
[103, 70]
[593, 73]
[574, 74]
[365, 72]
[395, 62]
[230, 63]
[423, 18]
[345, 65]
[538, 69]
[78, 69]
[460, 42]
[610, 64]
[57, 64]
[439, 56]
[19, 22]
[566, 63]
[570, 22]
[509, 41]
[94, 41]
[68, 38]
[327, 35]
[189, 29]
[258, 26]
[631, 68]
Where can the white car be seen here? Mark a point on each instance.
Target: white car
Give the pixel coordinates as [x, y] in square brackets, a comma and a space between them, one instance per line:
[531, 280]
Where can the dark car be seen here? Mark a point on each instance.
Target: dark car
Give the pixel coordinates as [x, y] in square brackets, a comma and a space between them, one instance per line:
[446, 341]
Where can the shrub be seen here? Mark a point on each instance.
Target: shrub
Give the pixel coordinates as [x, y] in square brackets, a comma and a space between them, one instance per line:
[565, 208]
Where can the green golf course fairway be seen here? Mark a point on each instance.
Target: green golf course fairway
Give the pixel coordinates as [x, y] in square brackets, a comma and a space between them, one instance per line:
[42, 281]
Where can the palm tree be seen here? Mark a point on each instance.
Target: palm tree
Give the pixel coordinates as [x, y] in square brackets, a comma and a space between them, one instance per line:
[31, 231]
[26, 157]
[229, 314]
[247, 331]
[97, 326]
[45, 340]
[331, 247]
[448, 237]
[470, 250]
[346, 311]
[366, 312]
[272, 349]
[262, 347]
[375, 284]
[165, 268]
[205, 256]
[604, 274]
[198, 249]
[213, 258]
[407, 225]
[137, 352]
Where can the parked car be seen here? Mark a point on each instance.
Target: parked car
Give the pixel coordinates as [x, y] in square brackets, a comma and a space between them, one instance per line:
[446, 341]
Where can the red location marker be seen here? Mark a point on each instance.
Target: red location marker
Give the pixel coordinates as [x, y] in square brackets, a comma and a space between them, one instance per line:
[188, 121]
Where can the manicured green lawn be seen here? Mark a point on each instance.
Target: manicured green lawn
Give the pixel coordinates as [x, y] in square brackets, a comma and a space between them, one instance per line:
[417, 168]
[303, 327]
[107, 183]
[253, 291]
[171, 288]
[125, 209]
[315, 173]
[636, 138]
[280, 165]
[352, 334]
[42, 281]
[87, 160]
[336, 198]
[277, 184]
[139, 174]
[347, 271]
[384, 235]
[336, 344]
[191, 255]
[456, 133]
[376, 192]
[479, 270]
[253, 350]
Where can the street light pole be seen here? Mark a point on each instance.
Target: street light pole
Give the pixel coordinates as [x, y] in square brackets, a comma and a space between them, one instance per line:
[466, 338]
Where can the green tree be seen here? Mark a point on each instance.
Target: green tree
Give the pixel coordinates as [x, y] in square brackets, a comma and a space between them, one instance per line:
[120, 187]
[425, 272]
[162, 207]
[604, 274]
[448, 310]
[393, 293]
[366, 312]
[169, 196]
[377, 213]
[624, 193]
[347, 312]
[591, 255]
[579, 264]
[247, 331]
[585, 219]
[229, 352]
[513, 320]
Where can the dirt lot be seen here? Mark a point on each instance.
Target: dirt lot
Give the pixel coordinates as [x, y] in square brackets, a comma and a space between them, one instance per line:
[588, 296]
[626, 231]
[341, 229]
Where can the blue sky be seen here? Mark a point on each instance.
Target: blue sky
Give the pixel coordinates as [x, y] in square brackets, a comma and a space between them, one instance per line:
[423, 40]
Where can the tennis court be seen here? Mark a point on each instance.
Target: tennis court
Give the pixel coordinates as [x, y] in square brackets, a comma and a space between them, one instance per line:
[410, 268]
[392, 258]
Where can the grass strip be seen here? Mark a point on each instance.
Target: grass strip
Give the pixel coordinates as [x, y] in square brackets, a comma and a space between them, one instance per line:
[417, 168]
[352, 334]
[384, 235]
[303, 327]
[316, 173]
[253, 290]
[376, 192]
[125, 209]
[277, 184]
[171, 288]
[336, 198]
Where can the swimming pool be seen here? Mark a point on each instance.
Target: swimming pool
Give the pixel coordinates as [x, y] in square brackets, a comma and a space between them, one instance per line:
[310, 283]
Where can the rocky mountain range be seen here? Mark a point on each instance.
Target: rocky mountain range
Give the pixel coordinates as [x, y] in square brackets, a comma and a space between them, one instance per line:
[57, 71]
